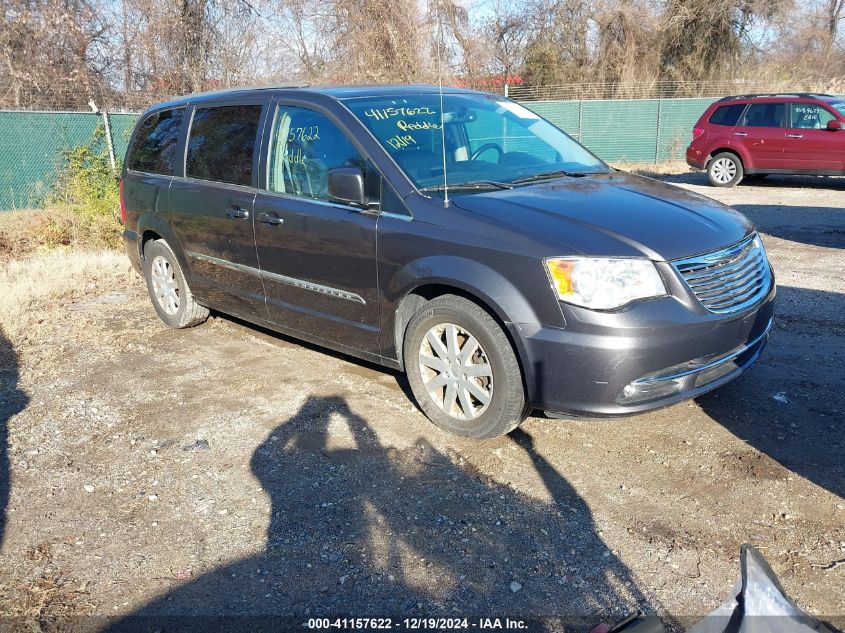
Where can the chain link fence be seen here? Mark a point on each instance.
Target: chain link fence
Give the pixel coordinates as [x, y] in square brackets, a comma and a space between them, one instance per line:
[33, 147]
[660, 89]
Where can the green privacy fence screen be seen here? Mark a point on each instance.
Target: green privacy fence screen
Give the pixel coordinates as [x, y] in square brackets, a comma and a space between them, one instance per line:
[32, 147]
[32, 144]
[634, 130]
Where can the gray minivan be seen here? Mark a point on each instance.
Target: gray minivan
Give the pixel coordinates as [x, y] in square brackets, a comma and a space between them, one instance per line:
[459, 237]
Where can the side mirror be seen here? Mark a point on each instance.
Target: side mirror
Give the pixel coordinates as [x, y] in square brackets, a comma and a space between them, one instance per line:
[834, 124]
[346, 184]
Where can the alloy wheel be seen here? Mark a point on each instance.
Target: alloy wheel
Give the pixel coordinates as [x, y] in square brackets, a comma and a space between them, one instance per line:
[723, 170]
[456, 371]
[165, 286]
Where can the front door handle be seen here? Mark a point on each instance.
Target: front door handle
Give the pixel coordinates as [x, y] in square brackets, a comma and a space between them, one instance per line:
[270, 218]
[236, 213]
[794, 136]
[740, 133]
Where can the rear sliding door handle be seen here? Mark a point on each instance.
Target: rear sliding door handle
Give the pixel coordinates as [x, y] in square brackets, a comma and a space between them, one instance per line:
[236, 213]
[794, 136]
[270, 218]
[740, 133]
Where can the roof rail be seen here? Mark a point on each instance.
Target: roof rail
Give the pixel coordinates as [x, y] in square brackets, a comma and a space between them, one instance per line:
[801, 95]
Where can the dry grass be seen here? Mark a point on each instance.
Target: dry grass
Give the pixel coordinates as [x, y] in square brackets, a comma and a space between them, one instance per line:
[653, 169]
[49, 593]
[18, 231]
[33, 286]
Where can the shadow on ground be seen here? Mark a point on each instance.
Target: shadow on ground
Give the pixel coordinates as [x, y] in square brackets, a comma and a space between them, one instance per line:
[423, 535]
[770, 181]
[816, 226]
[12, 401]
[791, 405]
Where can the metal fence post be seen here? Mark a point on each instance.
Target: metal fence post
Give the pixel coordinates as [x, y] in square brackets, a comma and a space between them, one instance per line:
[581, 121]
[109, 142]
[657, 141]
[506, 90]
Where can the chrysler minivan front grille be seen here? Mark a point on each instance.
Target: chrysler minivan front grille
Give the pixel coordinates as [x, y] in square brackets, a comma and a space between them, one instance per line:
[730, 279]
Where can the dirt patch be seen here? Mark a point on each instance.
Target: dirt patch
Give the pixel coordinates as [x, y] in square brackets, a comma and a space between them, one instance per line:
[228, 470]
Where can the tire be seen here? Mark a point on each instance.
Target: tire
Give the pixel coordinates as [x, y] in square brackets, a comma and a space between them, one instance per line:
[495, 372]
[178, 308]
[725, 170]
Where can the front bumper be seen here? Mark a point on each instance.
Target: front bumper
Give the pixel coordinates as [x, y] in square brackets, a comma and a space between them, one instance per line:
[663, 351]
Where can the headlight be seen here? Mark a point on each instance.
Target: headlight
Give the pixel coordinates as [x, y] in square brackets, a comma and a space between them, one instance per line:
[603, 284]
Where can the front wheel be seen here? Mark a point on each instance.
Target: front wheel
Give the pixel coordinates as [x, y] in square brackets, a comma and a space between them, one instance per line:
[463, 370]
[724, 170]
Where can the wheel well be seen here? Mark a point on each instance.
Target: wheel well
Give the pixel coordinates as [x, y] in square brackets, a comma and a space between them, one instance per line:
[146, 236]
[418, 297]
[725, 150]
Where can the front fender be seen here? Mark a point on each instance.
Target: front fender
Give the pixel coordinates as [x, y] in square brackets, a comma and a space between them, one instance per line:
[471, 278]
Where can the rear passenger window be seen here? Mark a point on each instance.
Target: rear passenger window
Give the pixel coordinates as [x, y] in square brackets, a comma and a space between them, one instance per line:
[765, 115]
[727, 115]
[222, 143]
[154, 149]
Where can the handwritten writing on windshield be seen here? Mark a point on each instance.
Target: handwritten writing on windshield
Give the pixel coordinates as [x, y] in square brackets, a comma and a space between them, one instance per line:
[383, 114]
[400, 116]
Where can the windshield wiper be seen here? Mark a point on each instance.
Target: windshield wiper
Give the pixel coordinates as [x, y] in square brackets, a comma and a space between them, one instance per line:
[472, 184]
[547, 175]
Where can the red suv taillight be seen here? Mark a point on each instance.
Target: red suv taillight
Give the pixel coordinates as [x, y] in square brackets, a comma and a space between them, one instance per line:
[122, 204]
[696, 132]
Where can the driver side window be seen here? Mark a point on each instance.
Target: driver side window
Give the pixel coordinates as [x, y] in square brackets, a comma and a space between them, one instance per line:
[305, 146]
[809, 116]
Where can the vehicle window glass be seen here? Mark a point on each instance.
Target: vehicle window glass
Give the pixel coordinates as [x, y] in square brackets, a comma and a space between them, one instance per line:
[839, 106]
[727, 115]
[305, 146]
[809, 116]
[222, 143]
[765, 115]
[518, 144]
[154, 149]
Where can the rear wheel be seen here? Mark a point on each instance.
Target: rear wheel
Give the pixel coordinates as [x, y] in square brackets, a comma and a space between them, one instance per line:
[169, 291]
[724, 170]
[463, 370]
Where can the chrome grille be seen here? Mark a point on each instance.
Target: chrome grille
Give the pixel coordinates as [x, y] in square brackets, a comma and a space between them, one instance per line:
[730, 279]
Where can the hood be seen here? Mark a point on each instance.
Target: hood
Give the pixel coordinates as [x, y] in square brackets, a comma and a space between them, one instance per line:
[616, 214]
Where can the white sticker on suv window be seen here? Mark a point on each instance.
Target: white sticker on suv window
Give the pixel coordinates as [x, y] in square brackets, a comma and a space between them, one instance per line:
[521, 111]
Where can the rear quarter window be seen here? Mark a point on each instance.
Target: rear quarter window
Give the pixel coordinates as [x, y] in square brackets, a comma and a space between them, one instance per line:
[727, 115]
[156, 140]
[222, 143]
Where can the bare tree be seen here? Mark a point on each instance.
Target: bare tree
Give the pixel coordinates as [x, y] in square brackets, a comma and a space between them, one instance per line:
[50, 50]
[508, 31]
[558, 50]
[625, 50]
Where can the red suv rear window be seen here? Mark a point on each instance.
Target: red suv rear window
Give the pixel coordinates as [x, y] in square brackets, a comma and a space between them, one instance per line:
[727, 114]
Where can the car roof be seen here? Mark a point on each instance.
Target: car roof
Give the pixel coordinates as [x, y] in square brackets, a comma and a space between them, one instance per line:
[784, 95]
[336, 92]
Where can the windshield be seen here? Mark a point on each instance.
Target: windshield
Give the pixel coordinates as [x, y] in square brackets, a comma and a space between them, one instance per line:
[840, 107]
[490, 141]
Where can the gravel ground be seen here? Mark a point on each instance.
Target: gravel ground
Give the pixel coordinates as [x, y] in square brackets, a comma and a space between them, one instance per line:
[227, 470]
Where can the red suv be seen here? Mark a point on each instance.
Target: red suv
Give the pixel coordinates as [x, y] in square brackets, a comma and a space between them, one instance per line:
[755, 135]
